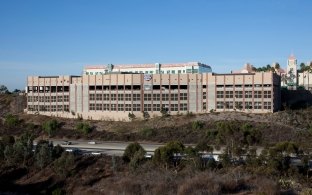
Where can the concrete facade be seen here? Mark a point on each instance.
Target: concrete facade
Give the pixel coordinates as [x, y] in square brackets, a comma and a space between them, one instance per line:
[114, 96]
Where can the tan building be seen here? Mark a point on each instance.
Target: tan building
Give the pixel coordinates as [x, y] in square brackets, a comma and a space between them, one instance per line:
[114, 96]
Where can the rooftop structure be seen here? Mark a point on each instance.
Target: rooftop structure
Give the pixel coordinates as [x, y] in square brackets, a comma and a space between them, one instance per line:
[157, 68]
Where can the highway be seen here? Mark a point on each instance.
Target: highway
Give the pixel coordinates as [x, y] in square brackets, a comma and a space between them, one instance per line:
[103, 147]
[117, 148]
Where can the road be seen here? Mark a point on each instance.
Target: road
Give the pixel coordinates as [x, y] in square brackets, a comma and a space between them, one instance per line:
[118, 148]
[104, 147]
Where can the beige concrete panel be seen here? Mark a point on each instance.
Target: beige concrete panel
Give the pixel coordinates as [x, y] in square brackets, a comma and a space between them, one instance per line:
[174, 79]
[229, 79]
[136, 79]
[248, 79]
[258, 78]
[219, 79]
[267, 78]
[165, 79]
[239, 79]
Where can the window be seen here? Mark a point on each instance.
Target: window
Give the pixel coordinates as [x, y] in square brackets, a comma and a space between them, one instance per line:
[120, 97]
[267, 105]
[59, 108]
[248, 105]
[174, 97]
[173, 71]
[156, 107]
[228, 94]
[66, 108]
[92, 97]
[66, 98]
[204, 95]
[156, 97]
[105, 107]
[238, 94]
[127, 97]
[219, 105]
[228, 105]
[165, 97]
[59, 98]
[183, 96]
[98, 97]
[136, 97]
[29, 99]
[147, 107]
[113, 97]
[113, 107]
[53, 98]
[92, 107]
[99, 107]
[128, 107]
[257, 105]
[53, 108]
[174, 107]
[257, 94]
[106, 97]
[168, 71]
[120, 107]
[183, 107]
[179, 71]
[267, 94]
[136, 107]
[204, 106]
[220, 94]
[248, 94]
[147, 97]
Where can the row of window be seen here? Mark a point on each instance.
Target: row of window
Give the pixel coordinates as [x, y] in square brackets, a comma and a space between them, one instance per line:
[137, 97]
[239, 105]
[48, 108]
[47, 89]
[64, 98]
[135, 87]
[135, 107]
[246, 86]
[150, 72]
[241, 94]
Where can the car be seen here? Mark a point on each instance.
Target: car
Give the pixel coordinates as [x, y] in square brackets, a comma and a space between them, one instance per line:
[66, 143]
[91, 142]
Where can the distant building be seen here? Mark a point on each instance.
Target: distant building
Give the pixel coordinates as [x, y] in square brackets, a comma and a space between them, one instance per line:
[113, 96]
[174, 68]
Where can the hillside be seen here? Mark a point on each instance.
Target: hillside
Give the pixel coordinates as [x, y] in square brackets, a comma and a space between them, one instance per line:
[279, 133]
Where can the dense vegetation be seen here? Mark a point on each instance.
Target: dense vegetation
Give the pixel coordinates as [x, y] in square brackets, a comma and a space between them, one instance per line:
[174, 169]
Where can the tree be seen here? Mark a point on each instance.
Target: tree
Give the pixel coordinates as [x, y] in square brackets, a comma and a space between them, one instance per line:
[131, 150]
[84, 128]
[277, 66]
[11, 120]
[3, 89]
[131, 116]
[43, 153]
[165, 154]
[64, 164]
[50, 126]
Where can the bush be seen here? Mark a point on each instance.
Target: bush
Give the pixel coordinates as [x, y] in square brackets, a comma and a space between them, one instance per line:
[50, 127]
[147, 132]
[11, 120]
[197, 125]
[64, 165]
[83, 127]
[131, 151]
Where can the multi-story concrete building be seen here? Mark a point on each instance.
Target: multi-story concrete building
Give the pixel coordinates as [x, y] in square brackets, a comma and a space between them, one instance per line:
[114, 96]
[177, 68]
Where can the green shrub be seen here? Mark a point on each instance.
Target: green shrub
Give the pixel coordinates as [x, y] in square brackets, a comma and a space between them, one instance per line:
[50, 127]
[131, 151]
[11, 120]
[197, 125]
[83, 127]
[147, 132]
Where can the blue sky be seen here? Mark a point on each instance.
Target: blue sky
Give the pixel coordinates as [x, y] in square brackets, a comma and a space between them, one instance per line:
[59, 37]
